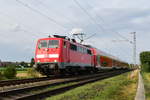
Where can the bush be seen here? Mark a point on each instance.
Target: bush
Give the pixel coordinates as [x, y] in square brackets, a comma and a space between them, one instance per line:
[145, 61]
[10, 72]
[145, 67]
[32, 62]
[32, 72]
[1, 75]
[145, 57]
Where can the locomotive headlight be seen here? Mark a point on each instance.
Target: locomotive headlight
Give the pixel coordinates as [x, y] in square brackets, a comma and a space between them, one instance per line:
[38, 61]
[55, 60]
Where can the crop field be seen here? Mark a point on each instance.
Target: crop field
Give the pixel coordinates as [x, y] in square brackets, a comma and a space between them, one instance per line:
[122, 87]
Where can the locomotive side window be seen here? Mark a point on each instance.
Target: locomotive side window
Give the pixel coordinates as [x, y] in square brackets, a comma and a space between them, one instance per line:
[42, 44]
[73, 47]
[79, 49]
[85, 50]
[65, 45]
[89, 52]
[53, 44]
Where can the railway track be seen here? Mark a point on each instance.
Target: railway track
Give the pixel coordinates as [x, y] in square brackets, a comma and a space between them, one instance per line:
[31, 80]
[28, 93]
[23, 81]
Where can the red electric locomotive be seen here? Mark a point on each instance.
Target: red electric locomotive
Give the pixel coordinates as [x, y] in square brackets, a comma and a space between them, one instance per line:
[59, 54]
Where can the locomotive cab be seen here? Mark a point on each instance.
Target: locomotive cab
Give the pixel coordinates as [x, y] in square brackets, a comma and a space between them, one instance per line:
[47, 55]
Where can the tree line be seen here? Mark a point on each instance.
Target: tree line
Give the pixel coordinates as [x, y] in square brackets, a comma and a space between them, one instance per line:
[145, 61]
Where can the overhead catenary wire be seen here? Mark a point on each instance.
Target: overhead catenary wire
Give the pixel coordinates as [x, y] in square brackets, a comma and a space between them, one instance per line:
[96, 22]
[42, 14]
[18, 23]
[65, 17]
[102, 20]
[92, 19]
[90, 36]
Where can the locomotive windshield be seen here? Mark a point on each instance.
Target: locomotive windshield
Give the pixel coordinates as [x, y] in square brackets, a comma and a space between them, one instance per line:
[53, 44]
[48, 44]
[43, 44]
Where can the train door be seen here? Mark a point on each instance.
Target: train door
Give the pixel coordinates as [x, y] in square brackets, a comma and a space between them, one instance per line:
[66, 52]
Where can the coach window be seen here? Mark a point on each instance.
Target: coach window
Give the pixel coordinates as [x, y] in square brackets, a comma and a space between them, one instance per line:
[98, 59]
[85, 50]
[73, 47]
[65, 45]
[80, 49]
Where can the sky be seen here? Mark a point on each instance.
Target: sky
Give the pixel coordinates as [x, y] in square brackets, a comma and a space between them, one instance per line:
[23, 22]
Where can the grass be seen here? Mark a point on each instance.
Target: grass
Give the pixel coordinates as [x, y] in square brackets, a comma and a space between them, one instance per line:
[122, 87]
[146, 77]
[28, 73]
[53, 87]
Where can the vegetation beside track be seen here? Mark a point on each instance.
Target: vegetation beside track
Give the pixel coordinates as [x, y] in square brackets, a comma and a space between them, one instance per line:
[29, 73]
[21, 73]
[145, 69]
[116, 88]
[146, 77]
[53, 87]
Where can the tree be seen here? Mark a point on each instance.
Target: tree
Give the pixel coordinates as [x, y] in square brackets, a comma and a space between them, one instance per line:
[10, 72]
[24, 64]
[145, 57]
[145, 60]
[32, 62]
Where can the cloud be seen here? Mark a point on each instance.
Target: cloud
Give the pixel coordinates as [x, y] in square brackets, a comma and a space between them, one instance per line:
[20, 27]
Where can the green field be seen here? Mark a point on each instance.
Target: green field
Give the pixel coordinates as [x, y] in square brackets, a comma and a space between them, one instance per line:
[122, 87]
[146, 77]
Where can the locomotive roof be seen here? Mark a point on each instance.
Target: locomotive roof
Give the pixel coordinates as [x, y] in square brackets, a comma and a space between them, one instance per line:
[71, 41]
